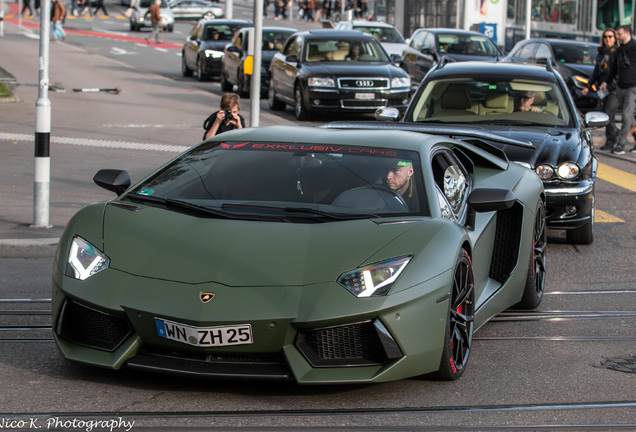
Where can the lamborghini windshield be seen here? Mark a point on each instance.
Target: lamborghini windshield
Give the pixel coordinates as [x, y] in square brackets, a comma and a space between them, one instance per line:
[312, 181]
[493, 101]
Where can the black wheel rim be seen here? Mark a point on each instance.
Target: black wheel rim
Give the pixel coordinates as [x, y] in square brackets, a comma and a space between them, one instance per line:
[462, 314]
[539, 251]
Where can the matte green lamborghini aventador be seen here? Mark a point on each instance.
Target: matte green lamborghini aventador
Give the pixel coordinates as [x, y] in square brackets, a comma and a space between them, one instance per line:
[307, 254]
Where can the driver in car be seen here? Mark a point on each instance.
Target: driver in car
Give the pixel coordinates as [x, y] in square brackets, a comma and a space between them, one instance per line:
[400, 179]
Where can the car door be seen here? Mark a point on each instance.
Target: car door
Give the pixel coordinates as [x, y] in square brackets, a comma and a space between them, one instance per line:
[419, 57]
[287, 66]
[232, 57]
[191, 47]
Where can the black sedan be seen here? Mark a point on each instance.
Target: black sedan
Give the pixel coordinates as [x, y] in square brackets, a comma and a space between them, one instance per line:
[527, 103]
[236, 55]
[330, 71]
[429, 45]
[203, 49]
[574, 60]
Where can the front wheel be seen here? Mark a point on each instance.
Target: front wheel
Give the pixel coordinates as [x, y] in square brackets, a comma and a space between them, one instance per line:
[460, 322]
[200, 70]
[226, 86]
[243, 86]
[185, 70]
[299, 104]
[535, 280]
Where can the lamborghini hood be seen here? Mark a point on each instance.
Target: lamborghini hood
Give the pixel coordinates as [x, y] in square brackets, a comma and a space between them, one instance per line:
[160, 244]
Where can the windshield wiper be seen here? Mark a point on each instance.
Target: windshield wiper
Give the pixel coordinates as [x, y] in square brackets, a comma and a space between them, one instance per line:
[185, 207]
[333, 216]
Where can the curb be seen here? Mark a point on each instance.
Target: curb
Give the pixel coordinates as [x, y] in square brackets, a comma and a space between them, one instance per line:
[28, 248]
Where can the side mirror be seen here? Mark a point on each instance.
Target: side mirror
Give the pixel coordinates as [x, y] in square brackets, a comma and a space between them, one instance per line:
[596, 119]
[113, 180]
[234, 49]
[387, 114]
[292, 58]
[486, 200]
[396, 59]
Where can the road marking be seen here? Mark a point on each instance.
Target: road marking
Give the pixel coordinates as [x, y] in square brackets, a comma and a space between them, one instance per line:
[617, 177]
[601, 217]
[98, 143]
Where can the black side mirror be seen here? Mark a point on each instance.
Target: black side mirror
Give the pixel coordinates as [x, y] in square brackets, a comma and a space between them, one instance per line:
[113, 180]
[292, 58]
[396, 59]
[234, 49]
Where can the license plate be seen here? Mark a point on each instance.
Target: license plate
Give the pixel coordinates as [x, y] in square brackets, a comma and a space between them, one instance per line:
[240, 334]
[365, 96]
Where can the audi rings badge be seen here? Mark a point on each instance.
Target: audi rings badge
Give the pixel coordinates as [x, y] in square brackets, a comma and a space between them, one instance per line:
[364, 83]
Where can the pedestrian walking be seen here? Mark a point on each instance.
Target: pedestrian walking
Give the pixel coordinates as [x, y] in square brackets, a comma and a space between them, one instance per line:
[99, 4]
[27, 5]
[609, 103]
[155, 17]
[58, 13]
[623, 69]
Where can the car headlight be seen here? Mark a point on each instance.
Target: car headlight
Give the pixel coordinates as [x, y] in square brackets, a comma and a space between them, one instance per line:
[375, 279]
[401, 82]
[213, 54]
[568, 170]
[579, 81]
[85, 260]
[321, 82]
[544, 171]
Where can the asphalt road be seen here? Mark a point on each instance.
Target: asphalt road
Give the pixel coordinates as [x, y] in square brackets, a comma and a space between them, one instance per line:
[543, 370]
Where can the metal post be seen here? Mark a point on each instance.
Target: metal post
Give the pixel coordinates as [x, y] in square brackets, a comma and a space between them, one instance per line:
[255, 85]
[229, 9]
[1, 18]
[528, 17]
[42, 178]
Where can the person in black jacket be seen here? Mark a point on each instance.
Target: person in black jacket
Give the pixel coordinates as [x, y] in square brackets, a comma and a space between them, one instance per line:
[623, 69]
[225, 119]
[609, 103]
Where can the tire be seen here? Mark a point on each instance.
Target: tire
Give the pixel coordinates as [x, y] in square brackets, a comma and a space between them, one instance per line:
[535, 280]
[200, 68]
[226, 86]
[274, 104]
[170, 29]
[299, 104]
[583, 235]
[185, 70]
[458, 337]
[243, 89]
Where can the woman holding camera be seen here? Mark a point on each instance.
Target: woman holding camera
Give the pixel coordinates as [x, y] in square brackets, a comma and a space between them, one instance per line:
[225, 119]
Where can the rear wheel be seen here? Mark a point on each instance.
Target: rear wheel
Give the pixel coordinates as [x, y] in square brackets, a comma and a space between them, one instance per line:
[274, 104]
[535, 281]
[460, 322]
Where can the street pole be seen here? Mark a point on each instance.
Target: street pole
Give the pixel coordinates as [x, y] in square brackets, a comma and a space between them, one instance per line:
[42, 178]
[528, 17]
[255, 85]
[229, 9]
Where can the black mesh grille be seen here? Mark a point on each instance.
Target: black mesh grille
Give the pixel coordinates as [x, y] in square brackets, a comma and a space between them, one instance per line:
[353, 344]
[92, 328]
[506, 248]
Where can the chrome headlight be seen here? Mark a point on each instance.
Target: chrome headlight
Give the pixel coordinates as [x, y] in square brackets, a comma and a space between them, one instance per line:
[568, 170]
[166, 19]
[85, 260]
[213, 54]
[544, 171]
[321, 82]
[401, 82]
[375, 279]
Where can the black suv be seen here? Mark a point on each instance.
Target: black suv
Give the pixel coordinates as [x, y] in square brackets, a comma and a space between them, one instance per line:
[320, 70]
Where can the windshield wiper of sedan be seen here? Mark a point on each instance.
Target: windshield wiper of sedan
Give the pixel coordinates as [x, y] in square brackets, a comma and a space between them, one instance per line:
[332, 216]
